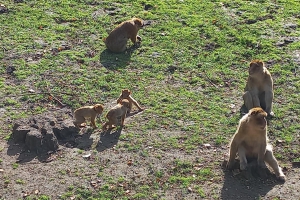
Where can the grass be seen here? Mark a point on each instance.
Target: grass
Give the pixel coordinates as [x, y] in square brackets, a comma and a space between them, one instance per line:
[189, 73]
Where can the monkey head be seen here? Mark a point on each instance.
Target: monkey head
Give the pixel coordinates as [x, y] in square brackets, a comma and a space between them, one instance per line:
[138, 22]
[258, 116]
[98, 108]
[126, 93]
[256, 66]
[125, 103]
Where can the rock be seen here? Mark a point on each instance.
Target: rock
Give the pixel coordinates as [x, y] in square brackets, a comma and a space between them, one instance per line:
[33, 141]
[49, 141]
[19, 133]
[65, 130]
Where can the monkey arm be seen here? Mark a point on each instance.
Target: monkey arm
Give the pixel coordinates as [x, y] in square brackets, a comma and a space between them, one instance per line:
[93, 117]
[261, 154]
[232, 153]
[135, 103]
[269, 99]
[133, 36]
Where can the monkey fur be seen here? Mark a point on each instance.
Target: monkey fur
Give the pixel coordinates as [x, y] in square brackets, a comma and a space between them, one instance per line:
[120, 110]
[259, 87]
[126, 94]
[117, 39]
[250, 141]
[84, 112]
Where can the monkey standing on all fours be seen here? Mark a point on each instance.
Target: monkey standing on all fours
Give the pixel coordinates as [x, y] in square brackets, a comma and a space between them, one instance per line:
[126, 94]
[117, 39]
[259, 87]
[84, 112]
[250, 141]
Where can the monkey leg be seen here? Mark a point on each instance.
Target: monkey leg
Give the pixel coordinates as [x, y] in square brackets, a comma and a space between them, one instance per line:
[232, 155]
[78, 122]
[112, 121]
[271, 160]
[248, 100]
[242, 156]
[105, 125]
[123, 119]
[93, 123]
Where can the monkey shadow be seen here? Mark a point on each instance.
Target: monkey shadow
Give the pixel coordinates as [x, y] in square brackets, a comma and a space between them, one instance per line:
[112, 61]
[24, 155]
[83, 141]
[249, 184]
[108, 139]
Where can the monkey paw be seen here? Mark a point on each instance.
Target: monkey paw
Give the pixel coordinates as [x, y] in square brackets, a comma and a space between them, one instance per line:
[243, 165]
[281, 178]
[271, 114]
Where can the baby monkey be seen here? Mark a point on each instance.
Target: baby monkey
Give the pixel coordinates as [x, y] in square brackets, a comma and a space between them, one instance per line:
[117, 39]
[115, 112]
[84, 112]
[250, 141]
[126, 94]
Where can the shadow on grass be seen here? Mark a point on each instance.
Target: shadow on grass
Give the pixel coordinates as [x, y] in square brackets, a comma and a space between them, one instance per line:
[108, 139]
[247, 185]
[113, 61]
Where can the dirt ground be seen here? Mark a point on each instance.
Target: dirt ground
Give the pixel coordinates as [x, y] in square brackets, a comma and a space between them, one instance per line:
[77, 163]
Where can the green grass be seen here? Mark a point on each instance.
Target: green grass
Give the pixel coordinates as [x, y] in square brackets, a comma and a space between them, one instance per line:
[189, 72]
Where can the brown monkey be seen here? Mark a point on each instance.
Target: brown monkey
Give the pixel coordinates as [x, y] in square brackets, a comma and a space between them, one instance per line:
[126, 94]
[259, 87]
[115, 112]
[250, 141]
[84, 112]
[117, 39]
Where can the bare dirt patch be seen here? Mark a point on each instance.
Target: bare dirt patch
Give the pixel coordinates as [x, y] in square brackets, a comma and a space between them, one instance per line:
[82, 156]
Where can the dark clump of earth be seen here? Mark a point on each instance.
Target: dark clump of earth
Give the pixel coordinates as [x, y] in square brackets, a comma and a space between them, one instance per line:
[45, 132]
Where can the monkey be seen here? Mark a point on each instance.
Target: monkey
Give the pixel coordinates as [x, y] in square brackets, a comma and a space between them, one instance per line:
[126, 94]
[117, 39]
[259, 87]
[120, 110]
[84, 112]
[250, 141]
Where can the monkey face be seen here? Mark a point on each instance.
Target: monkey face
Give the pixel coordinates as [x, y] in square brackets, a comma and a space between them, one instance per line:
[98, 108]
[125, 93]
[256, 66]
[259, 116]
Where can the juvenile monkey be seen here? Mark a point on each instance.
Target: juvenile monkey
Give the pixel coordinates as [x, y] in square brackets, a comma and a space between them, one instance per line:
[250, 141]
[84, 112]
[117, 39]
[259, 87]
[126, 94]
[115, 112]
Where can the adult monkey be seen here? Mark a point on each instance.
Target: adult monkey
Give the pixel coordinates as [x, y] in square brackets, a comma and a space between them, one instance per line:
[117, 39]
[250, 141]
[259, 87]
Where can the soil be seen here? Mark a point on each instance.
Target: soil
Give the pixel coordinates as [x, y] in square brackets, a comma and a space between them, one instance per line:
[80, 153]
